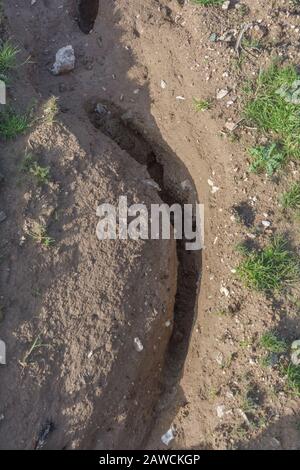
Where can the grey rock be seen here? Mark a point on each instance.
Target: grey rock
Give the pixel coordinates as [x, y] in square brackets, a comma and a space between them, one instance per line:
[101, 109]
[64, 61]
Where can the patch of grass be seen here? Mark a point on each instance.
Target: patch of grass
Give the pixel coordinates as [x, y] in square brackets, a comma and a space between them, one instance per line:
[269, 109]
[40, 173]
[267, 158]
[201, 105]
[208, 3]
[272, 343]
[271, 268]
[13, 123]
[291, 199]
[35, 345]
[293, 378]
[8, 59]
[40, 235]
[51, 110]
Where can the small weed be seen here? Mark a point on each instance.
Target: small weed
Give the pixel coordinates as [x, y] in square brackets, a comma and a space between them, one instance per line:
[244, 344]
[251, 44]
[208, 3]
[272, 343]
[39, 234]
[13, 124]
[51, 110]
[268, 158]
[30, 165]
[271, 268]
[201, 105]
[270, 110]
[291, 199]
[35, 345]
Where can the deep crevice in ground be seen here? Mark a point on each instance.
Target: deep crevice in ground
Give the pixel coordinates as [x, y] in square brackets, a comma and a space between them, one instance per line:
[121, 128]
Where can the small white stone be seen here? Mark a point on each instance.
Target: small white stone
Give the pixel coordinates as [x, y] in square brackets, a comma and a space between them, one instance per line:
[222, 93]
[266, 223]
[138, 345]
[168, 437]
[2, 352]
[230, 126]
[226, 5]
[224, 291]
[163, 84]
[220, 411]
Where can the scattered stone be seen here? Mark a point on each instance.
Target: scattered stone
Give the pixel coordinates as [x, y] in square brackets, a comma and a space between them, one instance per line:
[228, 36]
[2, 216]
[168, 437]
[163, 84]
[220, 358]
[168, 323]
[64, 61]
[222, 93]
[266, 223]
[226, 5]
[180, 98]
[214, 188]
[213, 37]
[101, 109]
[220, 411]
[2, 352]
[231, 126]
[138, 345]
[224, 291]
[244, 416]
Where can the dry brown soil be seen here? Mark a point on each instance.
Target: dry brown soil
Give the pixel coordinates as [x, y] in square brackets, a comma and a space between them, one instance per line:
[86, 386]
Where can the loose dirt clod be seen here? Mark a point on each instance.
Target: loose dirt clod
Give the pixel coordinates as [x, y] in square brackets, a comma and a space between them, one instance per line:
[64, 61]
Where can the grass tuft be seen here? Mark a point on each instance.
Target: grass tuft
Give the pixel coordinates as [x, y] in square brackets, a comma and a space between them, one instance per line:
[267, 158]
[272, 343]
[8, 59]
[271, 268]
[269, 107]
[13, 123]
[201, 105]
[39, 234]
[291, 199]
[208, 3]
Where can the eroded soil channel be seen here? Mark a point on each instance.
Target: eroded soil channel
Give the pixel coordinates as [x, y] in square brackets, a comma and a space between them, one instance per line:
[123, 129]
